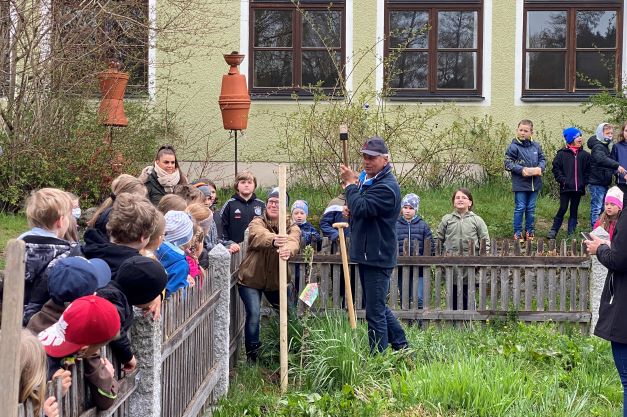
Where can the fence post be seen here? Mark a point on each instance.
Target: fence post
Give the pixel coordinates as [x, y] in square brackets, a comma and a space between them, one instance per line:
[146, 337]
[12, 307]
[597, 280]
[220, 260]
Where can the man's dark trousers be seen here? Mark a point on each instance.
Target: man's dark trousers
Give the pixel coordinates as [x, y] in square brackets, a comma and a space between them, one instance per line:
[383, 327]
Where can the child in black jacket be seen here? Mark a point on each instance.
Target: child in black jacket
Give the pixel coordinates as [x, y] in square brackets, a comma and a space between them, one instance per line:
[571, 168]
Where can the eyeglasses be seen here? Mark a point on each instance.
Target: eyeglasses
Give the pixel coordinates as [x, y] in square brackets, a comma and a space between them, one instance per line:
[272, 203]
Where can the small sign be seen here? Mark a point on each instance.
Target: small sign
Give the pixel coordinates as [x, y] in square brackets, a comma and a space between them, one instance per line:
[309, 294]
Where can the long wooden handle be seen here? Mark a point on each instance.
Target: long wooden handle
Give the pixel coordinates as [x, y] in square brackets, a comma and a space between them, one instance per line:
[345, 152]
[347, 276]
[283, 277]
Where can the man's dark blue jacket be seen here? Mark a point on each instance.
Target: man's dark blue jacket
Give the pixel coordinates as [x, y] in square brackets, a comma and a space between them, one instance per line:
[374, 208]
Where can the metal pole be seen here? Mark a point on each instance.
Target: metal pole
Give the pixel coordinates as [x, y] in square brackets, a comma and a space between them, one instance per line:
[235, 153]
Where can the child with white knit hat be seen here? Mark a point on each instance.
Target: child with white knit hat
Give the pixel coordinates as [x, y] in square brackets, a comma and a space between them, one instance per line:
[179, 230]
[613, 207]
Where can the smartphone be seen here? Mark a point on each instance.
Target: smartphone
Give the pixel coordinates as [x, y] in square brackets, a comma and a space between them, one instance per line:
[586, 236]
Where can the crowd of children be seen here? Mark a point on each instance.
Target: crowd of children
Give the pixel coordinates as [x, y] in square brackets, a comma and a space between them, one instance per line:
[80, 295]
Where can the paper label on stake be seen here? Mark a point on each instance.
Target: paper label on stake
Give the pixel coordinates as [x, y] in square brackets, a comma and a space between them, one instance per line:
[309, 294]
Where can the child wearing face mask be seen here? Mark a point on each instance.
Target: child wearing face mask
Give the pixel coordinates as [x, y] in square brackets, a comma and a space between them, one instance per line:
[571, 168]
[300, 211]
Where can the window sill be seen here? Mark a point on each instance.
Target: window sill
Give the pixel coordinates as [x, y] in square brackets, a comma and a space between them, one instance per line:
[437, 99]
[558, 98]
[291, 98]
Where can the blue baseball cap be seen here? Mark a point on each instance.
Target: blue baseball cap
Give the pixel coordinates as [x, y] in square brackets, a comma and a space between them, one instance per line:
[74, 277]
[375, 146]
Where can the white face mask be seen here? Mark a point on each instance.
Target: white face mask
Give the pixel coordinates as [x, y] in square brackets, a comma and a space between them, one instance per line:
[76, 213]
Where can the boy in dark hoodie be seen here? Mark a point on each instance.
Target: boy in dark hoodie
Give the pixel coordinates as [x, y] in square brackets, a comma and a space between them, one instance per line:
[49, 213]
[131, 223]
[412, 227]
[241, 208]
[602, 169]
[571, 168]
[69, 279]
[525, 160]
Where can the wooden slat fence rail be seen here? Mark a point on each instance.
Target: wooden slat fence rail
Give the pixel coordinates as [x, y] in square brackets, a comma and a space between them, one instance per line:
[539, 281]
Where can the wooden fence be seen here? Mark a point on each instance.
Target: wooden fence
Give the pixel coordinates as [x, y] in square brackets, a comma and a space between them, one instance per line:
[538, 281]
[183, 359]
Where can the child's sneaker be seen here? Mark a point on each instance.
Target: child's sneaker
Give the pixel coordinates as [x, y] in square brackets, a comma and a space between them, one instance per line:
[531, 236]
[518, 237]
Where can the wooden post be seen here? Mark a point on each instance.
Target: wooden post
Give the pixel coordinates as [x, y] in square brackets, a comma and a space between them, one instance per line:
[12, 311]
[347, 276]
[283, 276]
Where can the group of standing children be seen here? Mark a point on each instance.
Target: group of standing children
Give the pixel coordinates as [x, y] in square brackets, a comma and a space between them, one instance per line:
[573, 168]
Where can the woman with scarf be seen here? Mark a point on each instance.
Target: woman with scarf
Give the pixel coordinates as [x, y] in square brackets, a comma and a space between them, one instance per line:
[161, 178]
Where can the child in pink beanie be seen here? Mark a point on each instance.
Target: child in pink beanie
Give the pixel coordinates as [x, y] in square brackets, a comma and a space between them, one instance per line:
[613, 207]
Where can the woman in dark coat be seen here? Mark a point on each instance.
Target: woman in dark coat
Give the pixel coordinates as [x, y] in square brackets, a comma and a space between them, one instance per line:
[161, 177]
[612, 325]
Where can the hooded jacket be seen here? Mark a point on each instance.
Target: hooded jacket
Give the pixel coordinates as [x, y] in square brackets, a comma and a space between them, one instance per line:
[236, 215]
[334, 214]
[98, 246]
[414, 230]
[572, 172]
[455, 227]
[524, 154]
[602, 166]
[102, 385]
[41, 252]
[374, 205]
[121, 347]
[173, 260]
[260, 267]
[612, 325]
[619, 154]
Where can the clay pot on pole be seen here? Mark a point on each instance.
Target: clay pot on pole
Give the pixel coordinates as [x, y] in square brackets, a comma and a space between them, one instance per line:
[112, 86]
[234, 98]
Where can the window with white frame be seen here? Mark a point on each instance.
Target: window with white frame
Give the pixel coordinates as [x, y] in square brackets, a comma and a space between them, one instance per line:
[296, 47]
[433, 48]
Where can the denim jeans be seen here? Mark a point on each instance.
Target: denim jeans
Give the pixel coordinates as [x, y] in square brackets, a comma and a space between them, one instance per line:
[383, 327]
[251, 297]
[619, 351]
[597, 201]
[411, 286]
[524, 204]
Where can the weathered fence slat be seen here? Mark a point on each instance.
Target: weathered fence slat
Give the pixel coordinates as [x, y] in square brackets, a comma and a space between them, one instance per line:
[516, 285]
[528, 289]
[540, 289]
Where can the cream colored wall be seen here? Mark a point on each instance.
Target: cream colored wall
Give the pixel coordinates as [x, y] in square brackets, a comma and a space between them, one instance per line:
[196, 96]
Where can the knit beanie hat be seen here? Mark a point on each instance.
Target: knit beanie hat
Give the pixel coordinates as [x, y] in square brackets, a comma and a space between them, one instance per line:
[615, 196]
[274, 192]
[411, 200]
[179, 227]
[301, 204]
[570, 134]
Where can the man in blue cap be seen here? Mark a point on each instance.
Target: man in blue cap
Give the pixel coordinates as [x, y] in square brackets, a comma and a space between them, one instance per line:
[373, 199]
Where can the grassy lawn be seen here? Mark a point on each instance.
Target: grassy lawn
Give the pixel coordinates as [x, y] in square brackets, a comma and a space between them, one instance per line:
[11, 226]
[502, 369]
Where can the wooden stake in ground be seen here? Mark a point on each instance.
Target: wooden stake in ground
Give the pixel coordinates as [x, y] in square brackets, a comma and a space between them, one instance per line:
[12, 311]
[283, 276]
[348, 292]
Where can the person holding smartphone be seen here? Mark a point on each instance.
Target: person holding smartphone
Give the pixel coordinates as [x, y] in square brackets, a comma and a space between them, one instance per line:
[613, 306]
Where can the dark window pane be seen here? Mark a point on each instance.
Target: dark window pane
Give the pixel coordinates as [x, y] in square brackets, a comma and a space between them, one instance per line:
[409, 70]
[321, 66]
[546, 29]
[409, 29]
[273, 28]
[595, 69]
[322, 29]
[596, 29]
[273, 69]
[457, 69]
[457, 29]
[546, 70]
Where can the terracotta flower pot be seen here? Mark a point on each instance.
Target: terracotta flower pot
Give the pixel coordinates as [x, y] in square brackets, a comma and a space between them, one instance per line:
[234, 98]
[112, 85]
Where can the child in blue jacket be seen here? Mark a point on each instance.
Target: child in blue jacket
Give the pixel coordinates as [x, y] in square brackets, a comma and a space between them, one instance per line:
[179, 229]
[412, 227]
[300, 211]
[526, 162]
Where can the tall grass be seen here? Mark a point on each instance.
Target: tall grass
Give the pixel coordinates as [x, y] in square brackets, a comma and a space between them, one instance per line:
[503, 369]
